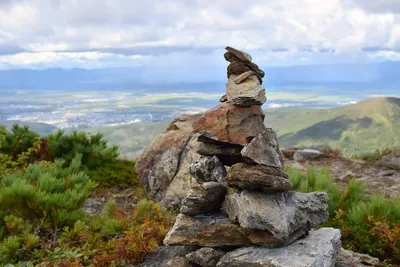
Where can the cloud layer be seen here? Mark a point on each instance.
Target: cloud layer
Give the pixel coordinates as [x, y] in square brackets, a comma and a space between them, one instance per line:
[176, 33]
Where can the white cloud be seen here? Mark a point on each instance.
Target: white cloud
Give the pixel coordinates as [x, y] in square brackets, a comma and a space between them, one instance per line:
[271, 30]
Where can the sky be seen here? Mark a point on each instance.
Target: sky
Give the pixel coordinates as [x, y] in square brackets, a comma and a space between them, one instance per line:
[192, 34]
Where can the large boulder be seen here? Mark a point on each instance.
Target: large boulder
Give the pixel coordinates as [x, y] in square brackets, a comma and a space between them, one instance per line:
[208, 169]
[231, 124]
[203, 198]
[319, 249]
[205, 257]
[163, 167]
[264, 150]
[306, 155]
[246, 93]
[213, 230]
[287, 216]
[255, 177]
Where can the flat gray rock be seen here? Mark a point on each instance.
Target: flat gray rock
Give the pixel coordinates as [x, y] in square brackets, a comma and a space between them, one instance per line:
[205, 197]
[164, 254]
[287, 216]
[228, 154]
[208, 169]
[205, 257]
[206, 230]
[319, 249]
[307, 154]
[247, 93]
[264, 150]
[256, 177]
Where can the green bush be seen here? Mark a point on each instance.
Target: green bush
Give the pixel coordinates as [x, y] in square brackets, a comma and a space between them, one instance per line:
[19, 140]
[368, 225]
[93, 148]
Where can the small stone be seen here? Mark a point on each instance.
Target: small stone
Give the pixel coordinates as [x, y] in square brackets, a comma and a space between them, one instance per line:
[319, 249]
[264, 150]
[208, 169]
[239, 79]
[350, 258]
[162, 255]
[246, 176]
[213, 230]
[249, 92]
[239, 54]
[205, 257]
[223, 98]
[287, 216]
[203, 198]
[179, 262]
[307, 154]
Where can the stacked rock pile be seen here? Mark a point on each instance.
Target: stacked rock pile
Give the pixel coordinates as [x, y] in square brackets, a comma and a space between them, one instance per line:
[246, 215]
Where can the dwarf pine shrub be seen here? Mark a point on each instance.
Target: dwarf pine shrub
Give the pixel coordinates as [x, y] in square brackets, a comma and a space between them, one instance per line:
[368, 224]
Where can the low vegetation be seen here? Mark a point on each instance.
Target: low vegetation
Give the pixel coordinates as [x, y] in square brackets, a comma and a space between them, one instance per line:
[43, 184]
[368, 224]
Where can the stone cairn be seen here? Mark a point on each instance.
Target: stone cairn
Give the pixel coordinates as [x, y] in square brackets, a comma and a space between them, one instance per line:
[246, 215]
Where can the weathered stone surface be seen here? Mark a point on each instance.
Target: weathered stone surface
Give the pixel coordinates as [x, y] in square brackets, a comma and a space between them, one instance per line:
[249, 92]
[162, 161]
[214, 230]
[204, 198]
[182, 181]
[179, 262]
[208, 169]
[239, 79]
[391, 160]
[253, 177]
[164, 254]
[231, 124]
[350, 258]
[264, 150]
[205, 257]
[287, 216]
[228, 154]
[319, 249]
[307, 154]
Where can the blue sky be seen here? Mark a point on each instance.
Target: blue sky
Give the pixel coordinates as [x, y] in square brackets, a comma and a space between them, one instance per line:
[176, 34]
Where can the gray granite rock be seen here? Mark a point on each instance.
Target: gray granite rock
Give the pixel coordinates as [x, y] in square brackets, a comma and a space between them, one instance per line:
[247, 93]
[264, 150]
[205, 197]
[255, 177]
[205, 257]
[319, 249]
[287, 216]
[164, 254]
[228, 154]
[206, 230]
[208, 169]
[307, 154]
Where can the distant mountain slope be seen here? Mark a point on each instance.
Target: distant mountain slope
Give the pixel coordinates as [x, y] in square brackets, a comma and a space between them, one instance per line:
[42, 128]
[356, 129]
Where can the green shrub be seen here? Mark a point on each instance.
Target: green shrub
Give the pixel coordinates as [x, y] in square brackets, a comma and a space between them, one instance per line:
[93, 149]
[19, 140]
[368, 225]
[115, 172]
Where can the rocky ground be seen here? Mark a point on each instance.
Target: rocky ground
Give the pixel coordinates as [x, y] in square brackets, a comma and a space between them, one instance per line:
[378, 177]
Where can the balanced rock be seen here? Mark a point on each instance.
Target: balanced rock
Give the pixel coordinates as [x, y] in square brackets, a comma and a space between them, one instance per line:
[203, 198]
[247, 93]
[307, 154]
[319, 249]
[287, 216]
[264, 150]
[167, 159]
[255, 177]
[231, 124]
[208, 169]
[240, 55]
[212, 230]
[239, 79]
[205, 257]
